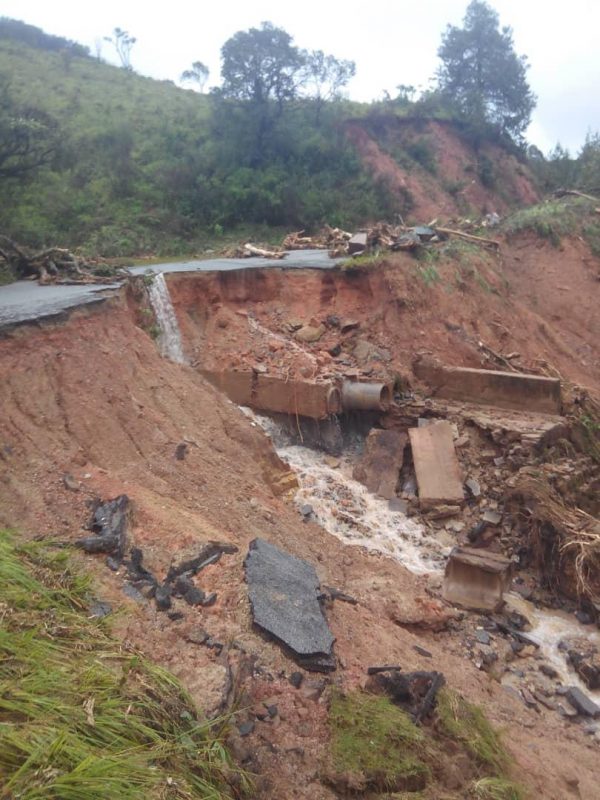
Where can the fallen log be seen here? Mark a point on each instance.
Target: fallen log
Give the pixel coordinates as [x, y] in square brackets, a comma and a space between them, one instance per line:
[574, 193]
[469, 237]
[53, 264]
[252, 250]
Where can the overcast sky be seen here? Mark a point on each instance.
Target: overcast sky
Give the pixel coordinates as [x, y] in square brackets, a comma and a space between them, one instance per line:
[392, 42]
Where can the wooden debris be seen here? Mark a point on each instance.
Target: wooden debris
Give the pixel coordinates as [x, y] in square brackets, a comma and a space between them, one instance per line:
[52, 265]
[574, 193]
[469, 237]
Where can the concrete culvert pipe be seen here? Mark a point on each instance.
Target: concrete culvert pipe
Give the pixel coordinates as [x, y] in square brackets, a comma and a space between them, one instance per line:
[365, 396]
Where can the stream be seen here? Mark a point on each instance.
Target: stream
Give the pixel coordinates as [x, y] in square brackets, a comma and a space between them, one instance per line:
[346, 509]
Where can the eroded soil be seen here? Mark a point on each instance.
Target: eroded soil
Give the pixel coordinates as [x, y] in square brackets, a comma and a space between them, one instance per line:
[93, 399]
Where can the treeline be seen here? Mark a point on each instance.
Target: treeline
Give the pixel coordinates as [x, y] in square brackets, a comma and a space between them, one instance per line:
[98, 157]
[560, 169]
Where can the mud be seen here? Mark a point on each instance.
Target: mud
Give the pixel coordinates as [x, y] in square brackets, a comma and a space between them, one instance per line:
[92, 397]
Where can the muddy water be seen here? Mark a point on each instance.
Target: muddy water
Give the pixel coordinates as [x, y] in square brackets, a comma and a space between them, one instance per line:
[549, 628]
[169, 337]
[347, 510]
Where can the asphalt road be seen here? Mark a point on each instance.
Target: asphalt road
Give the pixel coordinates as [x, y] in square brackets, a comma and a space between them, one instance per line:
[25, 301]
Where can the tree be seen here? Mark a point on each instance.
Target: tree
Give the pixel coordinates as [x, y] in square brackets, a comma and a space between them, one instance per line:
[28, 137]
[123, 43]
[325, 77]
[483, 76]
[197, 74]
[261, 65]
[262, 71]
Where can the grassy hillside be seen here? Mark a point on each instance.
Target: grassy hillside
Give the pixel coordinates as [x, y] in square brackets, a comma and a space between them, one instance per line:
[144, 166]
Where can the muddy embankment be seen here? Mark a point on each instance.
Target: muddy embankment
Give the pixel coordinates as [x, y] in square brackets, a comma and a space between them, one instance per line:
[92, 398]
[524, 303]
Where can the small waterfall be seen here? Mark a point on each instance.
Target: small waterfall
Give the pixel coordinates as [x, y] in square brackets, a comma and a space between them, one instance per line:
[169, 338]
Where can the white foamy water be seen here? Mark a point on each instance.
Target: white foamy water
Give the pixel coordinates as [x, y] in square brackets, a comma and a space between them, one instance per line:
[549, 628]
[346, 509]
[169, 338]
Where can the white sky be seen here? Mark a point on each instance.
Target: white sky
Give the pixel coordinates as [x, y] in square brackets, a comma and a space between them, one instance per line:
[392, 42]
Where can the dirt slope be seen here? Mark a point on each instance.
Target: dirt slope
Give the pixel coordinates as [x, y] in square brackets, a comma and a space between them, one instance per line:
[532, 299]
[93, 398]
[435, 172]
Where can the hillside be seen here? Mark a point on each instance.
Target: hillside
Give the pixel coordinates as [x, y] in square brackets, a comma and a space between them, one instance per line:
[141, 166]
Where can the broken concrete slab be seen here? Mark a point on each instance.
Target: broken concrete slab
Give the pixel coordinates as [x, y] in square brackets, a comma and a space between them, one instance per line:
[476, 579]
[381, 462]
[505, 389]
[284, 597]
[436, 465]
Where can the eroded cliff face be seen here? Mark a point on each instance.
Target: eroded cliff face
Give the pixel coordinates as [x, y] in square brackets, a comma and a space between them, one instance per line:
[91, 398]
[435, 172]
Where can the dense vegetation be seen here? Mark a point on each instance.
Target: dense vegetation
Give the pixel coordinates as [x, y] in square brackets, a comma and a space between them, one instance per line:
[136, 165]
[99, 158]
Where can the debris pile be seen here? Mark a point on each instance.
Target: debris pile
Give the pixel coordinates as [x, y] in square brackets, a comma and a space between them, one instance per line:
[54, 265]
[373, 239]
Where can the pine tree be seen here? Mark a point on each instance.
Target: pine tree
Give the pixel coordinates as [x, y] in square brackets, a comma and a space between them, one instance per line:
[482, 76]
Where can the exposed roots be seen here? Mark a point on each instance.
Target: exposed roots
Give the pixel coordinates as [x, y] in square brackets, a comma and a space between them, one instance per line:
[565, 541]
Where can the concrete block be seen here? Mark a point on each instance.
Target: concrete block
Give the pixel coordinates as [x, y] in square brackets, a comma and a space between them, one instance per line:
[380, 465]
[438, 472]
[503, 389]
[476, 579]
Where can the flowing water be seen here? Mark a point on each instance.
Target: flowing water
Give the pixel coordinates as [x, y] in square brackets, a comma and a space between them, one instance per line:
[169, 337]
[346, 509]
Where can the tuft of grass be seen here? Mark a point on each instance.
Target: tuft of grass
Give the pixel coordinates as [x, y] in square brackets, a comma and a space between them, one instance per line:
[550, 220]
[367, 261]
[496, 789]
[377, 742]
[466, 723]
[80, 717]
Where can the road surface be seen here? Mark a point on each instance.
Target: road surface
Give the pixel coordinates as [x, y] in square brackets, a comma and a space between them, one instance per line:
[25, 301]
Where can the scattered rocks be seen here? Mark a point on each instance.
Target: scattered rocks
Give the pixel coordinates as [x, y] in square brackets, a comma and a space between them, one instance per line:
[180, 451]
[99, 609]
[296, 679]
[246, 728]
[492, 517]
[309, 334]
[71, 483]
[585, 659]
[473, 486]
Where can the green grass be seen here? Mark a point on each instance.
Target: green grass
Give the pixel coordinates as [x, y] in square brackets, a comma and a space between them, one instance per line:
[495, 789]
[377, 741]
[466, 723]
[550, 220]
[374, 745]
[81, 718]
